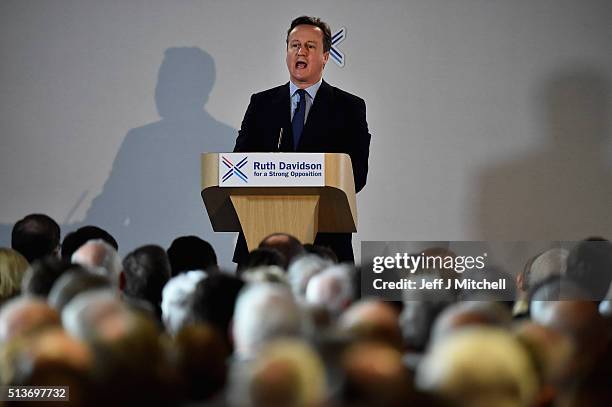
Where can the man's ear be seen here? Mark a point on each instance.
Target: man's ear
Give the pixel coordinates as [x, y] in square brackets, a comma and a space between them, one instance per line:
[520, 282]
[326, 56]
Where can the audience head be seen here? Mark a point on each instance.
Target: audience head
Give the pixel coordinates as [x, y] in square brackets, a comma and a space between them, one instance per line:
[71, 284]
[416, 321]
[130, 363]
[581, 322]
[372, 320]
[264, 256]
[589, 266]
[79, 237]
[201, 361]
[146, 271]
[36, 236]
[552, 262]
[177, 299]
[214, 300]
[97, 316]
[264, 311]
[100, 258]
[466, 314]
[301, 270]
[40, 277]
[50, 358]
[287, 372]
[481, 366]
[288, 245]
[550, 351]
[25, 315]
[192, 253]
[374, 375]
[265, 274]
[12, 269]
[331, 289]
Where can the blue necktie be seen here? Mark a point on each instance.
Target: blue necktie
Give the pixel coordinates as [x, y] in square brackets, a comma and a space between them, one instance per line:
[298, 118]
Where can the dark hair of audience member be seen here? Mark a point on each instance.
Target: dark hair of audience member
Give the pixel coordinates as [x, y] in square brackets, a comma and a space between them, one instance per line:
[41, 276]
[589, 266]
[73, 240]
[214, 300]
[146, 271]
[264, 256]
[323, 252]
[36, 236]
[288, 245]
[188, 253]
[201, 361]
[71, 284]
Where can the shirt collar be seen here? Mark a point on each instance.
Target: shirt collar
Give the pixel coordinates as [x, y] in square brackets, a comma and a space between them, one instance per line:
[311, 90]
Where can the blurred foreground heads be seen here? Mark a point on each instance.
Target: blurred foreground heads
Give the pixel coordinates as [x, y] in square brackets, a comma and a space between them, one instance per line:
[286, 372]
[264, 311]
[477, 367]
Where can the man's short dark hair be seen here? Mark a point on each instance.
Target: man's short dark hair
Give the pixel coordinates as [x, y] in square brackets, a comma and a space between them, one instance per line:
[79, 237]
[317, 22]
[35, 236]
[146, 271]
[214, 300]
[188, 253]
[265, 256]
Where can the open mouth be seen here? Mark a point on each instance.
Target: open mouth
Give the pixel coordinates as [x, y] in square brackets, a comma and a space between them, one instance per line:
[300, 65]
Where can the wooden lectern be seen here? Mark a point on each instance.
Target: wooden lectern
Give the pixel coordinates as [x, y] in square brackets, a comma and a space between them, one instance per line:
[299, 211]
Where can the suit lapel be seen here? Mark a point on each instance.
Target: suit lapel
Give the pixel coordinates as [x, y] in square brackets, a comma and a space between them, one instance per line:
[281, 104]
[317, 116]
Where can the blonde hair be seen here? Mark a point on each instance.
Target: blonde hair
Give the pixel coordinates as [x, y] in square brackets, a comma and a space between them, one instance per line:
[12, 268]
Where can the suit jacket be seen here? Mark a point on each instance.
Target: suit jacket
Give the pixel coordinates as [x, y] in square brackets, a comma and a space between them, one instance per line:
[336, 123]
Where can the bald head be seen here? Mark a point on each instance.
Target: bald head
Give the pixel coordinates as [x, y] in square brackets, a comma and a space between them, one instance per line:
[288, 245]
[100, 258]
[25, 315]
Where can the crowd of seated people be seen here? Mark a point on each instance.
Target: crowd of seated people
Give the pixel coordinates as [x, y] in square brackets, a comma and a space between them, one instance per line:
[290, 328]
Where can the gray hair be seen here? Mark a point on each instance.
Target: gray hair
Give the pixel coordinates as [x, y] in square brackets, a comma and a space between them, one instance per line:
[301, 270]
[331, 289]
[176, 299]
[264, 311]
[82, 317]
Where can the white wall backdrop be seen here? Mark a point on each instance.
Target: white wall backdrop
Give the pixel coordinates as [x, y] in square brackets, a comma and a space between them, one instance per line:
[490, 119]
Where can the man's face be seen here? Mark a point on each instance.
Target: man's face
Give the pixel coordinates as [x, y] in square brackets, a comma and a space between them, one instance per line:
[305, 56]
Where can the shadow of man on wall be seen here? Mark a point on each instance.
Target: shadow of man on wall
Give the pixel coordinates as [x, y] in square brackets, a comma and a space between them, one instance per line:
[564, 190]
[153, 192]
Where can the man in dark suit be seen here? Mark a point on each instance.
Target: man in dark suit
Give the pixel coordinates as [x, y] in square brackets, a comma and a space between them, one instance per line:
[308, 115]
